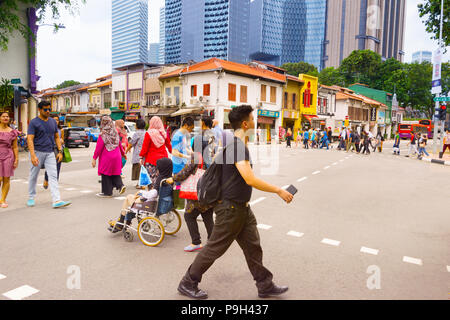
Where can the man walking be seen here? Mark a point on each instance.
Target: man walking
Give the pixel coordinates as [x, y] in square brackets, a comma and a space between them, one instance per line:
[446, 143]
[413, 144]
[234, 217]
[42, 139]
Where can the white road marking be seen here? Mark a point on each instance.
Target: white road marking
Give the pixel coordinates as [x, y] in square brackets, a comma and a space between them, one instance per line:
[346, 157]
[342, 160]
[327, 167]
[335, 163]
[20, 293]
[120, 198]
[285, 187]
[448, 268]
[25, 182]
[86, 191]
[295, 234]
[70, 189]
[263, 226]
[257, 201]
[316, 172]
[17, 180]
[2, 276]
[302, 179]
[331, 242]
[412, 260]
[369, 250]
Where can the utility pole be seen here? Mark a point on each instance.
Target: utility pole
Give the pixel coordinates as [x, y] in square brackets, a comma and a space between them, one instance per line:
[437, 63]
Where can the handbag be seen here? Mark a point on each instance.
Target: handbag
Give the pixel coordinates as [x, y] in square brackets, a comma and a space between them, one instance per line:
[67, 157]
[188, 188]
[144, 177]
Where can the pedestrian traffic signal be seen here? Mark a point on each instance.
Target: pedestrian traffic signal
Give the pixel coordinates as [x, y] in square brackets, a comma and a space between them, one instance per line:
[443, 113]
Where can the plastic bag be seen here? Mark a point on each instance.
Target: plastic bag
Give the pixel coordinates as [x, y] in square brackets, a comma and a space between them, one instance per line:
[144, 177]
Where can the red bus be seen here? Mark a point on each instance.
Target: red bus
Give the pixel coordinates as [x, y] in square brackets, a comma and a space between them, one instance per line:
[405, 128]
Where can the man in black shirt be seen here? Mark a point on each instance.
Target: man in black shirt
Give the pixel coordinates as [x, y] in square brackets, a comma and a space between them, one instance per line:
[234, 218]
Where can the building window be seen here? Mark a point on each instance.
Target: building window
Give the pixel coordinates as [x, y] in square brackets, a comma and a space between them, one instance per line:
[135, 95]
[119, 96]
[168, 92]
[325, 105]
[263, 92]
[176, 93]
[243, 94]
[273, 94]
[193, 91]
[207, 89]
[231, 92]
[294, 101]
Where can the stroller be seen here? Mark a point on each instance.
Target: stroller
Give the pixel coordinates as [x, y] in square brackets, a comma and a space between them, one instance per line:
[154, 218]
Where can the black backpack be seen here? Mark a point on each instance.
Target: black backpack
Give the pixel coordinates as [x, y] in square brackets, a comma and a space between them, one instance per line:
[209, 186]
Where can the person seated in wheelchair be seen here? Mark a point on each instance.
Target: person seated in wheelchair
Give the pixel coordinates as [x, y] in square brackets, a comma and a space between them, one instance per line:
[147, 200]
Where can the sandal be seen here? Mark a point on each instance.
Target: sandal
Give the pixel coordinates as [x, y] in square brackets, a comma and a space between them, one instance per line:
[4, 205]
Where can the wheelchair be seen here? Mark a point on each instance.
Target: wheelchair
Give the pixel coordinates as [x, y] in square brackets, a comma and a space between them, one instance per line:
[155, 219]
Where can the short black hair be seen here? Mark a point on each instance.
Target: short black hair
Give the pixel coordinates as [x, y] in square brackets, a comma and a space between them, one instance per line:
[239, 114]
[43, 104]
[140, 124]
[189, 121]
[207, 120]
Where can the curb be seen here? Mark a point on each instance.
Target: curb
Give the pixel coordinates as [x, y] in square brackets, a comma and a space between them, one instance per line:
[445, 163]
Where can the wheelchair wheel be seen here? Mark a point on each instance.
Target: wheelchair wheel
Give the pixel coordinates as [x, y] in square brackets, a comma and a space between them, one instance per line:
[150, 231]
[171, 222]
[128, 236]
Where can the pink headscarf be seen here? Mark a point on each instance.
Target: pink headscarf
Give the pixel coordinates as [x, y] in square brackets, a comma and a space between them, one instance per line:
[109, 133]
[156, 131]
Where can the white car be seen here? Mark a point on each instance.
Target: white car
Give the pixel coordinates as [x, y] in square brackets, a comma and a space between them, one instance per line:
[131, 129]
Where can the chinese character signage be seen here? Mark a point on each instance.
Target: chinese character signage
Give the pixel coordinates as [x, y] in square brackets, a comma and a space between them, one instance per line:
[373, 114]
[268, 113]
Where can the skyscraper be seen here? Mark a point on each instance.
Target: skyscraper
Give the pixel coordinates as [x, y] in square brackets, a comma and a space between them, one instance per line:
[377, 25]
[162, 34]
[129, 32]
[153, 53]
[200, 29]
[421, 56]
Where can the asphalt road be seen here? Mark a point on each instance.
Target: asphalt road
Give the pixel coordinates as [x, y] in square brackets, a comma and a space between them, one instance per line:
[358, 222]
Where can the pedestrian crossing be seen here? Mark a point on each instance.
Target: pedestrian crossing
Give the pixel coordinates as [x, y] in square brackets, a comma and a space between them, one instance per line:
[19, 293]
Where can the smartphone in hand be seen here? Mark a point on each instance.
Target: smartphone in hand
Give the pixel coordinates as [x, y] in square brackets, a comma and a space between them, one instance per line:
[291, 189]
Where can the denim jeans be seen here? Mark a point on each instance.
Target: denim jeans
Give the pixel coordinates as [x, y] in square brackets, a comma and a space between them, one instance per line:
[422, 150]
[49, 161]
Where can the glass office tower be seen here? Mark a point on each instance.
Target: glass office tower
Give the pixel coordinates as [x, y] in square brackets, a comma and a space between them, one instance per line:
[129, 32]
[316, 13]
[162, 34]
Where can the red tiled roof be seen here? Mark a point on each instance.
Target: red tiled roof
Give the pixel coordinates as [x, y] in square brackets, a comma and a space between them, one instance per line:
[218, 64]
[294, 78]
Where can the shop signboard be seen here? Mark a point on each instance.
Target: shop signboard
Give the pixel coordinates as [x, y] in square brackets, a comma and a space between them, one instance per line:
[373, 114]
[381, 117]
[268, 113]
[135, 106]
[121, 105]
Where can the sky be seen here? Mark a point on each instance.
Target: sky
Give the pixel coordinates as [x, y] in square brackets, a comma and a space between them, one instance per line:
[82, 50]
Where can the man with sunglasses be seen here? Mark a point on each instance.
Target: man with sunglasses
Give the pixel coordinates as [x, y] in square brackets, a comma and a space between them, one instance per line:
[45, 150]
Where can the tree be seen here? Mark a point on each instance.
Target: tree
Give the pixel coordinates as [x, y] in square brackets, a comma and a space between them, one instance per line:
[10, 20]
[361, 66]
[67, 83]
[431, 10]
[331, 76]
[6, 93]
[301, 67]
[385, 72]
[419, 93]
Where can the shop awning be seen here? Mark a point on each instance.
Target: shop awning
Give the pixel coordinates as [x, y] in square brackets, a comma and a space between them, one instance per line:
[164, 112]
[186, 111]
[117, 115]
[309, 117]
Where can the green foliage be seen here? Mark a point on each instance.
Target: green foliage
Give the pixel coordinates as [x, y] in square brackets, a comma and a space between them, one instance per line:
[331, 76]
[301, 67]
[10, 20]
[6, 93]
[361, 66]
[431, 10]
[67, 83]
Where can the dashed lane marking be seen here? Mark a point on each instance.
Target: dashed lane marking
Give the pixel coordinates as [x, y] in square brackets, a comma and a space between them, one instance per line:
[369, 251]
[2, 276]
[327, 167]
[20, 293]
[316, 172]
[448, 268]
[285, 187]
[302, 179]
[86, 191]
[412, 260]
[335, 163]
[120, 198]
[257, 201]
[331, 242]
[70, 189]
[295, 234]
[263, 226]
[342, 160]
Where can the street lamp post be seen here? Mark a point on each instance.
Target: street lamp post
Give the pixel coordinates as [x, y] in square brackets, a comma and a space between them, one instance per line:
[436, 119]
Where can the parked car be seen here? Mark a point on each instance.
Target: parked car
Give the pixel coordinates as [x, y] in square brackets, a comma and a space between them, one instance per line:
[93, 134]
[74, 137]
[131, 129]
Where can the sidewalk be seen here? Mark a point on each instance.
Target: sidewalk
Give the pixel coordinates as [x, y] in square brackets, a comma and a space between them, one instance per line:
[445, 160]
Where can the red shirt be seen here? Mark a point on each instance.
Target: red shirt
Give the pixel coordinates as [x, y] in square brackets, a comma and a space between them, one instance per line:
[151, 153]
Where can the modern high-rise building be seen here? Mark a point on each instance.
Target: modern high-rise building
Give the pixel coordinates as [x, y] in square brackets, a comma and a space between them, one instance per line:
[287, 31]
[162, 34]
[153, 53]
[129, 32]
[421, 56]
[201, 29]
[377, 25]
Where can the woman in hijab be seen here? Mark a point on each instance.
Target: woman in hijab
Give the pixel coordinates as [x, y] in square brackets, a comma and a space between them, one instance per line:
[156, 141]
[164, 167]
[109, 151]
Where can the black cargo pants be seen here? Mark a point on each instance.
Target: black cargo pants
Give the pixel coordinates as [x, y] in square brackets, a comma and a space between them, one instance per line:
[233, 222]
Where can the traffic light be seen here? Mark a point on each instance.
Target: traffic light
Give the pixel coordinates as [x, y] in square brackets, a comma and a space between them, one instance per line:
[442, 112]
